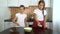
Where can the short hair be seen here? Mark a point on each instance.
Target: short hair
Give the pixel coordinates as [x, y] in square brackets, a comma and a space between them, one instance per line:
[22, 6]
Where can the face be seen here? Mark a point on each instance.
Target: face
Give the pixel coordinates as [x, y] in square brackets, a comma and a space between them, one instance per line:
[41, 5]
[21, 9]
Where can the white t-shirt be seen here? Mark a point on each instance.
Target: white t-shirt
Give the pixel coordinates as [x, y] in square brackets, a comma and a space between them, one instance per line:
[39, 14]
[20, 19]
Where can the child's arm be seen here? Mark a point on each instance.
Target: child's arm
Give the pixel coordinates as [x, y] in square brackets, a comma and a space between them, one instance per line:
[45, 21]
[35, 18]
[14, 20]
[25, 22]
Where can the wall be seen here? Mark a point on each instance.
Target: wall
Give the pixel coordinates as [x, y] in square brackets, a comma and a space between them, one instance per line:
[4, 13]
[56, 15]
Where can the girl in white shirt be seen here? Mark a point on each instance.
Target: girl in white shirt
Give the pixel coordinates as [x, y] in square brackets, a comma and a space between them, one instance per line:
[40, 16]
[21, 20]
[20, 17]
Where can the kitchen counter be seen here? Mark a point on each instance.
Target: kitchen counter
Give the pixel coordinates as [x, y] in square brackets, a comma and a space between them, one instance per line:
[9, 20]
[48, 31]
[29, 23]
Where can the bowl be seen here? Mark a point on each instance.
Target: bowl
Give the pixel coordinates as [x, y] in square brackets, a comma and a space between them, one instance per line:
[27, 29]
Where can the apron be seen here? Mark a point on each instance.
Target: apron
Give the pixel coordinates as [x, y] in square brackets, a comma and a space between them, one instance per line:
[36, 29]
[35, 23]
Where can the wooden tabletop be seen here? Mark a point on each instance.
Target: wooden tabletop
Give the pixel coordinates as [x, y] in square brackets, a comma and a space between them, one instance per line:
[9, 31]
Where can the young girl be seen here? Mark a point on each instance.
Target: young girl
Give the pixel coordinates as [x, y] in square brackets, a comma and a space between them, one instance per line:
[21, 20]
[20, 17]
[40, 17]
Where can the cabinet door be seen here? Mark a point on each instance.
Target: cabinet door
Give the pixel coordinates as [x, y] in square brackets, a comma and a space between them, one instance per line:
[13, 2]
[24, 2]
[12, 24]
[6, 25]
[47, 3]
[1, 25]
[34, 2]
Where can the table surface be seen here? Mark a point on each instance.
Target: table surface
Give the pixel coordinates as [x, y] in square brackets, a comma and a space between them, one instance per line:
[8, 31]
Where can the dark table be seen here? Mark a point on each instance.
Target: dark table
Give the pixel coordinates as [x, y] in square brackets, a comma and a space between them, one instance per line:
[7, 31]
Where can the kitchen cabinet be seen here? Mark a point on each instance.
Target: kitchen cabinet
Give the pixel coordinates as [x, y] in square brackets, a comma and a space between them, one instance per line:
[47, 3]
[8, 25]
[24, 2]
[12, 2]
[35, 2]
[17, 3]
[27, 3]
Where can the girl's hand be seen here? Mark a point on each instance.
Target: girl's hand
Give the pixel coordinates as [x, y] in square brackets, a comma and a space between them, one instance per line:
[39, 25]
[25, 25]
[45, 27]
[17, 24]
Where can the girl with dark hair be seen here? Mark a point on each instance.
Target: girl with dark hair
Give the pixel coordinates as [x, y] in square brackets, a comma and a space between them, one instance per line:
[21, 18]
[40, 17]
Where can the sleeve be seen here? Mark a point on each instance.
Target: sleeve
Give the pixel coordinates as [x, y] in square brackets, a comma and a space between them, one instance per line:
[45, 12]
[16, 15]
[25, 15]
[35, 12]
